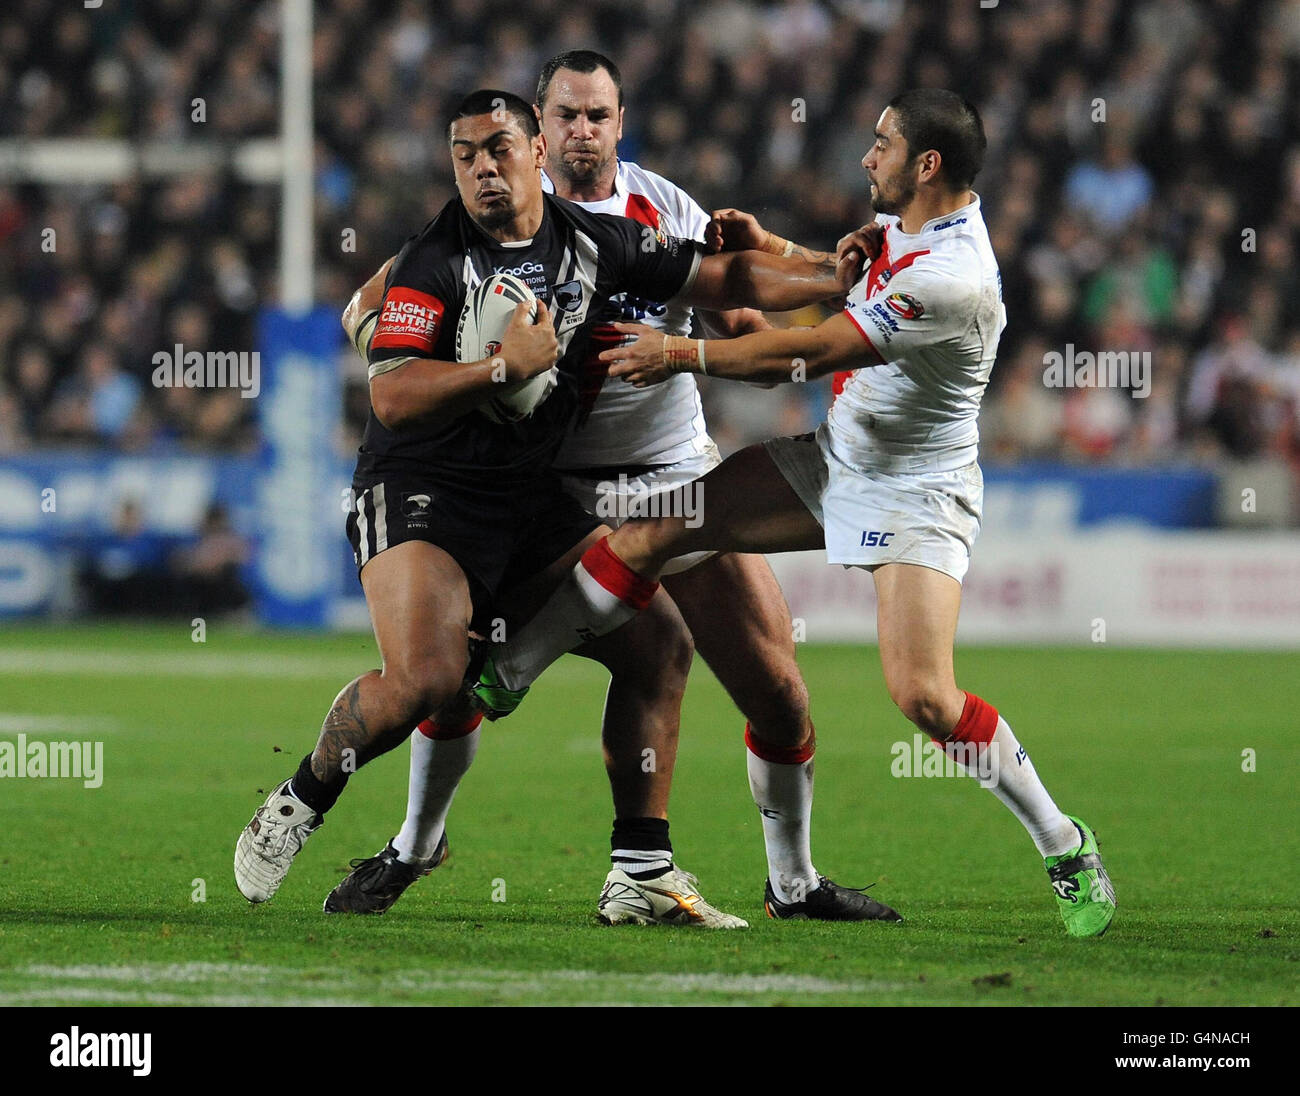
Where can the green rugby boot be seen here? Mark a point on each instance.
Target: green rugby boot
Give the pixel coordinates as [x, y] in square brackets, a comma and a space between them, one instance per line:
[1083, 890]
[491, 696]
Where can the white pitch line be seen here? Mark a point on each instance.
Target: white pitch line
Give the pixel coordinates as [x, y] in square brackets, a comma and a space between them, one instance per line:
[236, 977]
[119, 996]
[153, 972]
[80, 725]
[197, 663]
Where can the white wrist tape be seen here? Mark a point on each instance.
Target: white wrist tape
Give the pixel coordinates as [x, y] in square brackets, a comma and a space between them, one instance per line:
[366, 328]
[379, 368]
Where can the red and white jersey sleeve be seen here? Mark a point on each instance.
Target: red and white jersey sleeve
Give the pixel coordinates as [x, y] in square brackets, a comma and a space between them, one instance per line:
[931, 308]
[618, 425]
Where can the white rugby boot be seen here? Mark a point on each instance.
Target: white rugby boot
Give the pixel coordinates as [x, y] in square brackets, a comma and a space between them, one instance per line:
[277, 831]
[672, 899]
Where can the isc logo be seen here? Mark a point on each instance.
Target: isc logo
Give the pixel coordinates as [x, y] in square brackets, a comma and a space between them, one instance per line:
[875, 539]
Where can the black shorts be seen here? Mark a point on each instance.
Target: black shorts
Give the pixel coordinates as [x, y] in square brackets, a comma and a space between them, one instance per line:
[497, 540]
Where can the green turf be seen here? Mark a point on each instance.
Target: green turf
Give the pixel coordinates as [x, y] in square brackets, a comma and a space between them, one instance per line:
[96, 885]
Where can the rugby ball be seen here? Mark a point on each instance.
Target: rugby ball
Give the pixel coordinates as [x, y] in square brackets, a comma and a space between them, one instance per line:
[482, 326]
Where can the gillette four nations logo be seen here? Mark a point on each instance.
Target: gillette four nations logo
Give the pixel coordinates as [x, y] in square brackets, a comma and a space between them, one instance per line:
[905, 306]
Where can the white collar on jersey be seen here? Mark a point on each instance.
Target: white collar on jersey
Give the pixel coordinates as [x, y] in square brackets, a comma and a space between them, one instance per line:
[620, 187]
[494, 242]
[947, 220]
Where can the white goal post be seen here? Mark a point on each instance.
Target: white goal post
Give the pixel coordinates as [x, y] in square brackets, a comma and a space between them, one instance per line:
[285, 160]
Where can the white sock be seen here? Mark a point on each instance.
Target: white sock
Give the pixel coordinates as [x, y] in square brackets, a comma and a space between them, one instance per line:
[1004, 767]
[599, 595]
[641, 862]
[783, 794]
[437, 768]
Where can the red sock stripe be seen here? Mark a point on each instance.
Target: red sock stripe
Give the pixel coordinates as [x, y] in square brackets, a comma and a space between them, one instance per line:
[779, 755]
[443, 732]
[978, 722]
[617, 577]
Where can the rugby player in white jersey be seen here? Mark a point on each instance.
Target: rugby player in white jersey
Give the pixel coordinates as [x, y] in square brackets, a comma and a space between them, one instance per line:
[891, 481]
[628, 445]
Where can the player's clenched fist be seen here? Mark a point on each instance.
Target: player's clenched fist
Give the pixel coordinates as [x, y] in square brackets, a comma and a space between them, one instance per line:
[529, 348]
[735, 230]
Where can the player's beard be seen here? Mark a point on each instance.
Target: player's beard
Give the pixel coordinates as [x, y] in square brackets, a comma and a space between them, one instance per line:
[580, 172]
[896, 200]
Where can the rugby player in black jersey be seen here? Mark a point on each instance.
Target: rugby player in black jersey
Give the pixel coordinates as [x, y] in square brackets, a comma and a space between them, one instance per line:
[450, 504]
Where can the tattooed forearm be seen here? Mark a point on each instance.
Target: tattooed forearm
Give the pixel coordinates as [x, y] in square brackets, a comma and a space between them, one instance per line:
[344, 729]
[818, 258]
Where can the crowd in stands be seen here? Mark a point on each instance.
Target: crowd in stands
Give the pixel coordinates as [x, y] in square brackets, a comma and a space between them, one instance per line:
[1142, 188]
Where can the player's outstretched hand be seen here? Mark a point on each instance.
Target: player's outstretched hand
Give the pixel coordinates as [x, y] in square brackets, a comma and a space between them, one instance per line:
[529, 348]
[856, 251]
[639, 362]
[734, 230]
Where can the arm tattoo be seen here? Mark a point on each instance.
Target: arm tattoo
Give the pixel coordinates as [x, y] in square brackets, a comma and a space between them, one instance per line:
[344, 728]
[818, 258]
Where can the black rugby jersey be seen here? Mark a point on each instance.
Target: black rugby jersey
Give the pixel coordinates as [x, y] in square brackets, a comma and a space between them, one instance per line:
[575, 263]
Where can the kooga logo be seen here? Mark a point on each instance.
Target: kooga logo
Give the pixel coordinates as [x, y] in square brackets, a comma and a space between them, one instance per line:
[121, 1050]
[520, 271]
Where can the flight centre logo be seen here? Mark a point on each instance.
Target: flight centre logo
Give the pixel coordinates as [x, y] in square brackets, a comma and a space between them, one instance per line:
[408, 321]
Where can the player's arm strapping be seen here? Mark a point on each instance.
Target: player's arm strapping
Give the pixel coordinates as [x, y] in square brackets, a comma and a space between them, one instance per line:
[793, 354]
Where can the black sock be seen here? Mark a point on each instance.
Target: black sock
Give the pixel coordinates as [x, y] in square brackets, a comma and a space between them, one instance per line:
[641, 847]
[317, 794]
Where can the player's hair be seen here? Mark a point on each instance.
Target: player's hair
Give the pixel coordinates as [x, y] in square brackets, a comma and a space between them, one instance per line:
[578, 60]
[932, 118]
[490, 101]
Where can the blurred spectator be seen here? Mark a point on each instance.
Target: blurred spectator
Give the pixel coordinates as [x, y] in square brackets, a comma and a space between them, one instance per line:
[1025, 421]
[126, 573]
[99, 402]
[1113, 190]
[1139, 277]
[1096, 420]
[1227, 393]
[1157, 430]
[208, 575]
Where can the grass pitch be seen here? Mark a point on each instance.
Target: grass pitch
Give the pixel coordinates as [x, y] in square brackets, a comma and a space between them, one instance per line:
[124, 894]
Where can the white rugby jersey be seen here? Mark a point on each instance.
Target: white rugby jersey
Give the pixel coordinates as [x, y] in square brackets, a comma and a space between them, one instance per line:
[931, 306]
[664, 423]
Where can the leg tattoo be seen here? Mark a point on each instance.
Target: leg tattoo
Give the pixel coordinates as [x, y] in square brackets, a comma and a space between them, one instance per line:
[343, 736]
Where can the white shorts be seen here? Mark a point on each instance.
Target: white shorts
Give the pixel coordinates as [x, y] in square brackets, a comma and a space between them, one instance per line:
[926, 518]
[616, 497]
